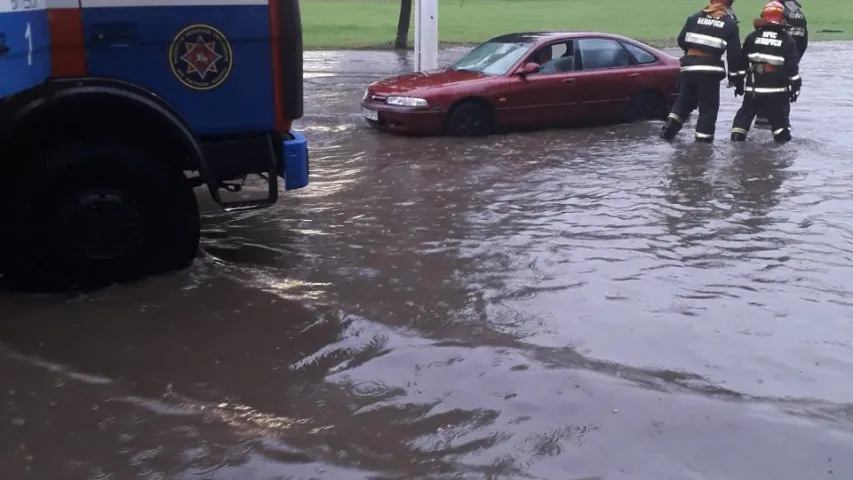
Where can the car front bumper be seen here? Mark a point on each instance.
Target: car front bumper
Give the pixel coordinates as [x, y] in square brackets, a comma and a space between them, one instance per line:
[404, 119]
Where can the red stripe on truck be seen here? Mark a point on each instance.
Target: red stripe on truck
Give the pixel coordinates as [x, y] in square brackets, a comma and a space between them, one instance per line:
[68, 50]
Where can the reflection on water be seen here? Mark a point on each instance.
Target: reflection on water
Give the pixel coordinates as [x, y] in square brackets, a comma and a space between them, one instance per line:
[572, 304]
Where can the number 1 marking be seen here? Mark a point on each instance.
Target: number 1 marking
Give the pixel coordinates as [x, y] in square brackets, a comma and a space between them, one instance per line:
[28, 34]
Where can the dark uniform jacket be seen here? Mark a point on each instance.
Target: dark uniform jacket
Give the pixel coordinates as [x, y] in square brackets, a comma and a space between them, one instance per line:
[798, 26]
[773, 60]
[713, 36]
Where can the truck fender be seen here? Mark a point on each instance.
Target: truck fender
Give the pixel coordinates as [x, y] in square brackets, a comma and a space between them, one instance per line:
[56, 95]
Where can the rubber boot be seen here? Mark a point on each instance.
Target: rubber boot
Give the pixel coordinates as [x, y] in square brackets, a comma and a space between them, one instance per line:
[738, 137]
[783, 135]
[704, 138]
[671, 128]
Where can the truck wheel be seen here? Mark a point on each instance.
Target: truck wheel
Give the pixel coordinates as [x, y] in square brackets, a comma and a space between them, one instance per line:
[95, 213]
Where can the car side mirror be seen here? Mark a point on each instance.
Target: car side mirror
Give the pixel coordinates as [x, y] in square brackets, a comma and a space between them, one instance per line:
[528, 68]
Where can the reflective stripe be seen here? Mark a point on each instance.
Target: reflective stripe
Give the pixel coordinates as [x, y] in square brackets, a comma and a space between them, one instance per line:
[765, 90]
[795, 78]
[765, 58]
[741, 72]
[706, 40]
[737, 74]
[704, 135]
[739, 130]
[703, 68]
[777, 132]
[676, 118]
[797, 31]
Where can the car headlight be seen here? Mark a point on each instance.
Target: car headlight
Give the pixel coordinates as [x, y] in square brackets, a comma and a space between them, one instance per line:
[407, 102]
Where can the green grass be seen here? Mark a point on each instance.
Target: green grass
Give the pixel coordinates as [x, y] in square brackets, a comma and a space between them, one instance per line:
[346, 24]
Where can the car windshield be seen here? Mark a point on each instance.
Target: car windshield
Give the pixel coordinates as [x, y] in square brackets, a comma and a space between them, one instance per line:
[492, 58]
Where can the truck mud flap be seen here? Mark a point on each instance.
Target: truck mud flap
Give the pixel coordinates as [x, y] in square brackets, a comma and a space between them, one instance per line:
[294, 168]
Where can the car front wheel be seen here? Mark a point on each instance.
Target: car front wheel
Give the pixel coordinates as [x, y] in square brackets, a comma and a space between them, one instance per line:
[469, 119]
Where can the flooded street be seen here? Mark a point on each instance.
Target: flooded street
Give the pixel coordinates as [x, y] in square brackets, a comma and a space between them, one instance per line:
[569, 304]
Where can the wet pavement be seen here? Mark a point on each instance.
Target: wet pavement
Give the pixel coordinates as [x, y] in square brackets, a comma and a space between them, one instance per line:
[569, 304]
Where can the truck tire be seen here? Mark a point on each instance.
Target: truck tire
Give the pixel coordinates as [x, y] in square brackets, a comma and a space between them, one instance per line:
[99, 212]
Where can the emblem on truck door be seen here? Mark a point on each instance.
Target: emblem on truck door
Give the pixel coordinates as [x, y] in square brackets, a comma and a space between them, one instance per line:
[200, 57]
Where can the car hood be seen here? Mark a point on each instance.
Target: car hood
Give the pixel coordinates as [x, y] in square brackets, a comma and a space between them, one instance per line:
[419, 82]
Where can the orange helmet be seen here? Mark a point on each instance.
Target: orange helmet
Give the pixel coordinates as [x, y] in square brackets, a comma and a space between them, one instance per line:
[773, 12]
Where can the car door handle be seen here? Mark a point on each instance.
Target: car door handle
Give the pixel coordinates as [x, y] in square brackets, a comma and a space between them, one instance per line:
[114, 34]
[567, 80]
[635, 74]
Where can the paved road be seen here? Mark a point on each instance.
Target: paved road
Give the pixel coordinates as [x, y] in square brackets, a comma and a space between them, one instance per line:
[570, 304]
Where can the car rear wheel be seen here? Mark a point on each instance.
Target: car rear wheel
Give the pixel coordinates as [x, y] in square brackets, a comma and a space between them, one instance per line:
[648, 106]
[469, 119]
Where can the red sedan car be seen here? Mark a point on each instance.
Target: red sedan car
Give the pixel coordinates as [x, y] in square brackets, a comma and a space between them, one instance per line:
[529, 79]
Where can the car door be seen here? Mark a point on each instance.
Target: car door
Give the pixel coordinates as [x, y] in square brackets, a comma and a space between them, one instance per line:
[211, 60]
[24, 45]
[548, 96]
[609, 77]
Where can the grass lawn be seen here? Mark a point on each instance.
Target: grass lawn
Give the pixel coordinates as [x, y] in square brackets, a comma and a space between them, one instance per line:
[332, 24]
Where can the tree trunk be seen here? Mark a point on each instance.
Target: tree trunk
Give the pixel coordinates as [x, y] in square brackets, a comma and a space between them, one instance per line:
[402, 40]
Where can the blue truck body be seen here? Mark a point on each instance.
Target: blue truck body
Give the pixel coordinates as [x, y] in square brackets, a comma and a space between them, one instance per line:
[217, 82]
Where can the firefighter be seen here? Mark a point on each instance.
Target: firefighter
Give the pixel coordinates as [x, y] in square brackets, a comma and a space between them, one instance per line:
[705, 37]
[798, 27]
[773, 78]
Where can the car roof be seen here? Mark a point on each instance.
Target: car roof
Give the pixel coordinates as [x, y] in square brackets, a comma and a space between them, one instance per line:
[547, 36]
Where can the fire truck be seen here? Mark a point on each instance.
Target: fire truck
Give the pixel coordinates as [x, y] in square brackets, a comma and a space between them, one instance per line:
[113, 111]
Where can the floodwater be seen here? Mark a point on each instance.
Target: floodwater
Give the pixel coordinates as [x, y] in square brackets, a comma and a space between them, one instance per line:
[570, 304]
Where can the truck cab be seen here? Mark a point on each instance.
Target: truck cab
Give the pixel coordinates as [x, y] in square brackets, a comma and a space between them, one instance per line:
[112, 111]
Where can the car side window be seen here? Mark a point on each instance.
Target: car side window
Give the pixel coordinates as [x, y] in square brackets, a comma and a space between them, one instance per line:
[599, 53]
[555, 58]
[640, 55]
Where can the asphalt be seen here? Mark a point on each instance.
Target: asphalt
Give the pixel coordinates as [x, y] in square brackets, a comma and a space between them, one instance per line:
[567, 304]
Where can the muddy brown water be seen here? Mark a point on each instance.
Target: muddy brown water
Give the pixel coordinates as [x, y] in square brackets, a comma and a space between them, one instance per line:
[568, 304]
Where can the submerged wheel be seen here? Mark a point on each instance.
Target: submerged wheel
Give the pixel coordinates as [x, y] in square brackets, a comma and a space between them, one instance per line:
[469, 119]
[100, 213]
[648, 106]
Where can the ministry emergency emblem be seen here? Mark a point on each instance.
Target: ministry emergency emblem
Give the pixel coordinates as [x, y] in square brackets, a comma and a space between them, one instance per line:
[200, 57]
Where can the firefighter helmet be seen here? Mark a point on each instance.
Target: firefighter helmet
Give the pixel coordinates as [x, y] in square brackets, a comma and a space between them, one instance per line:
[773, 12]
